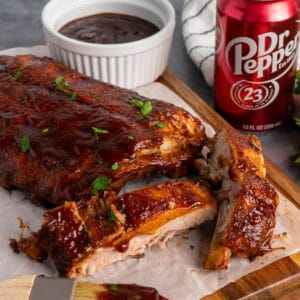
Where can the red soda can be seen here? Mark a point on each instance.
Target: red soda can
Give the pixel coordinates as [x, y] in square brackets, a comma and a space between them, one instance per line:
[255, 62]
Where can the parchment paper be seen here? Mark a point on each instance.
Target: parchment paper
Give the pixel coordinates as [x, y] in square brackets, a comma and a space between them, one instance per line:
[176, 271]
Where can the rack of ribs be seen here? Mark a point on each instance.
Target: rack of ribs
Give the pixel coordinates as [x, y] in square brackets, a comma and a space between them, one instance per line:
[65, 136]
[83, 237]
[247, 201]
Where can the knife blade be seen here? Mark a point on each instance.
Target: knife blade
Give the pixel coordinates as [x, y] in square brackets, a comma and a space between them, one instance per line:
[32, 287]
[52, 288]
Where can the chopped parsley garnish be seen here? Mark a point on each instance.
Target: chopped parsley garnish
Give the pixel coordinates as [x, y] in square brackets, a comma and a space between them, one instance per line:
[100, 184]
[145, 107]
[284, 233]
[17, 75]
[130, 137]
[61, 85]
[113, 288]
[25, 143]
[297, 121]
[98, 98]
[45, 130]
[98, 131]
[115, 166]
[161, 125]
[297, 159]
[73, 96]
[112, 219]
[138, 103]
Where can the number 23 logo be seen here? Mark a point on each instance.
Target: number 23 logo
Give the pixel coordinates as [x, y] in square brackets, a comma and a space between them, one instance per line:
[254, 95]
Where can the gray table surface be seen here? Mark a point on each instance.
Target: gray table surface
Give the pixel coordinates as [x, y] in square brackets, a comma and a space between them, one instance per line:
[20, 25]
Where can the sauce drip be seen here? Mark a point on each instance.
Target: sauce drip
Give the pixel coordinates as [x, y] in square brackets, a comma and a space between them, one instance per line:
[109, 28]
[123, 247]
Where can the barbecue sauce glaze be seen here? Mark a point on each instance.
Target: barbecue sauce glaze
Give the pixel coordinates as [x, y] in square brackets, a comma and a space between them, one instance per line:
[129, 291]
[109, 28]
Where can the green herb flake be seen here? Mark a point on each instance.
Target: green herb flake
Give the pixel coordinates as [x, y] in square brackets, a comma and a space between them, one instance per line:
[100, 184]
[59, 85]
[284, 233]
[45, 130]
[297, 159]
[98, 98]
[25, 143]
[58, 81]
[297, 81]
[115, 166]
[17, 75]
[113, 288]
[130, 137]
[73, 96]
[138, 103]
[145, 107]
[297, 121]
[161, 125]
[112, 217]
[99, 130]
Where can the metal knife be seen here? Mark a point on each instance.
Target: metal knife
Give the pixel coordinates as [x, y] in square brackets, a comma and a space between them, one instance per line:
[33, 287]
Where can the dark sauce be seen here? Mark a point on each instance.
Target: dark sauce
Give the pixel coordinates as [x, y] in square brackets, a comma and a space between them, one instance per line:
[109, 28]
[128, 292]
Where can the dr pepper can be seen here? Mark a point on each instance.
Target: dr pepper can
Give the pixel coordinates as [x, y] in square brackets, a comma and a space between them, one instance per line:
[255, 62]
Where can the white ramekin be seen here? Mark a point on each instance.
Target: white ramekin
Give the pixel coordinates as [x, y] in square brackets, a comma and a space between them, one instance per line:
[128, 64]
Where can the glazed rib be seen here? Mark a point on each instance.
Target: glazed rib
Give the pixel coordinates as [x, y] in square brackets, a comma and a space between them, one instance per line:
[84, 237]
[80, 129]
[248, 202]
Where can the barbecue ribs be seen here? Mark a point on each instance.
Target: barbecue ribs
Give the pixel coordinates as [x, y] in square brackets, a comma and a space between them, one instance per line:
[248, 202]
[65, 136]
[82, 237]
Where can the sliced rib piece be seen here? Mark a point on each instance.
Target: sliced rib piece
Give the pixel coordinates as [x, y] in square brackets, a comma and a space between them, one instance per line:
[83, 237]
[231, 155]
[78, 129]
[246, 216]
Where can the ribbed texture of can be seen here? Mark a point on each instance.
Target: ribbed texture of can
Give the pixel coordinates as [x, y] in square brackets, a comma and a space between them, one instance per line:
[126, 71]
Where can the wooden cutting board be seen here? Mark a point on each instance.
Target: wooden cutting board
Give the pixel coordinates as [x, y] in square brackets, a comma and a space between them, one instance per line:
[281, 279]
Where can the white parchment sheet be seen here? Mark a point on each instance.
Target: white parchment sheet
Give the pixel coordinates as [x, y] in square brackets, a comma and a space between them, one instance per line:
[176, 271]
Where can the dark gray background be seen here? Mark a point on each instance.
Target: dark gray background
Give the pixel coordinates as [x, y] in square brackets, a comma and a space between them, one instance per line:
[20, 25]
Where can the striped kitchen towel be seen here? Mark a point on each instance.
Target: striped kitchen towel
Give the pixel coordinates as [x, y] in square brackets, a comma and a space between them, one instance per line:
[198, 29]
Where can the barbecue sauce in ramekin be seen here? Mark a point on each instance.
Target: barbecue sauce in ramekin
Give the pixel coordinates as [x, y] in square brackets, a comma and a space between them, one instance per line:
[109, 28]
